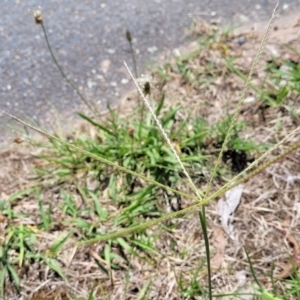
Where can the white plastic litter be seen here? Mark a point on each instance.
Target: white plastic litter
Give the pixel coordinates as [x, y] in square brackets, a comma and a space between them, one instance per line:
[227, 207]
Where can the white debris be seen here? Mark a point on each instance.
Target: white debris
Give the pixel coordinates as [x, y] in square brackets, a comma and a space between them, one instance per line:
[227, 207]
[285, 6]
[124, 81]
[249, 99]
[152, 49]
[90, 83]
[241, 277]
[105, 64]
[111, 51]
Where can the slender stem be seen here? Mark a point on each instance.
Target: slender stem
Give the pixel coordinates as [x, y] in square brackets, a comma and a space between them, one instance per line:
[62, 72]
[202, 217]
[133, 59]
[242, 97]
[164, 134]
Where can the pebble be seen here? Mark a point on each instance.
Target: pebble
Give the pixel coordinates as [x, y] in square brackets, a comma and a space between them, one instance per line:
[241, 40]
[105, 64]
[285, 6]
[124, 81]
[152, 49]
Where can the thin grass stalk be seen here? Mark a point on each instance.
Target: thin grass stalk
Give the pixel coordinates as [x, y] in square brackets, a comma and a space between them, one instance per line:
[141, 120]
[202, 217]
[242, 97]
[133, 58]
[165, 136]
[63, 73]
[238, 179]
[129, 39]
[252, 269]
[272, 278]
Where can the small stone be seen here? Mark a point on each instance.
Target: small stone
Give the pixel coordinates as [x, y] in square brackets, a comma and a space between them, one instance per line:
[176, 52]
[244, 18]
[100, 77]
[285, 6]
[241, 40]
[90, 83]
[152, 49]
[296, 206]
[249, 99]
[105, 64]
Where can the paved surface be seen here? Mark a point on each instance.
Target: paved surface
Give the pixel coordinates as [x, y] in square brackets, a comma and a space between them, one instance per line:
[88, 38]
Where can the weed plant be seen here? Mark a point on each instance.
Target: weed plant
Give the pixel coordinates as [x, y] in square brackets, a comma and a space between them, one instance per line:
[114, 195]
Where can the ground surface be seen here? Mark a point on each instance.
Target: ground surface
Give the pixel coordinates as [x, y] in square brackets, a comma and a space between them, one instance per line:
[88, 39]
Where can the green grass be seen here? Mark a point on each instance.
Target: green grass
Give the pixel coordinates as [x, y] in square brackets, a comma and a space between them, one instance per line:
[132, 144]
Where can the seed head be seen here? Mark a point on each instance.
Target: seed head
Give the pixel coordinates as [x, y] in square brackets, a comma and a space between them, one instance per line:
[128, 36]
[130, 132]
[147, 88]
[38, 17]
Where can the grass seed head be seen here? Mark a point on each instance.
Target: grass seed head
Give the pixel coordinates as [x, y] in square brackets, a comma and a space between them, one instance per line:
[38, 17]
[131, 132]
[147, 88]
[128, 36]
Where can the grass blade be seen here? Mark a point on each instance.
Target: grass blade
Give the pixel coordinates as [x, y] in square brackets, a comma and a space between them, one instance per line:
[202, 218]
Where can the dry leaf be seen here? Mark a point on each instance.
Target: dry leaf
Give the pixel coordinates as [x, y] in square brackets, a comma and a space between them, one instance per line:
[288, 268]
[220, 243]
[227, 207]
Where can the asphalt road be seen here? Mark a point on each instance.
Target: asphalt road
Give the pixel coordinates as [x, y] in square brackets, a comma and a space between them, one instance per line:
[88, 38]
